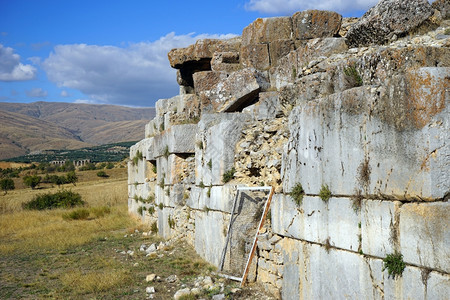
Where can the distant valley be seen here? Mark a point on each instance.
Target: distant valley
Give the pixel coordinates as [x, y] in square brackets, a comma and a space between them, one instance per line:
[31, 127]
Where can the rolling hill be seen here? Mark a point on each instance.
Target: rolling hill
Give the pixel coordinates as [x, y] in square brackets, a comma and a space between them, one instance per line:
[28, 127]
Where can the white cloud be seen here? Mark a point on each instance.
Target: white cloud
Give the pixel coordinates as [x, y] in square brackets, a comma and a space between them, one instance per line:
[37, 93]
[64, 93]
[291, 6]
[138, 74]
[11, 69]
[85, 101]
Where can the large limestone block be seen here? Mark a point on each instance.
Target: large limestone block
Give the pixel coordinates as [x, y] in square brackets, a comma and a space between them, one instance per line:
[137, 172]
[255, 56]
[267, 30]
[176, 139]
[201, 50]
[424, 235]
[268, 107]
[164, 230]
[279, 49]
[220, 198]
[313, 272]
[226, 94]
[333, 223]
[355, 134]
[230, 94]
[210, 229]
[388, 18]
[379, 221]
[310, 24]
[313, 51]
[217, 135]
[227, 62]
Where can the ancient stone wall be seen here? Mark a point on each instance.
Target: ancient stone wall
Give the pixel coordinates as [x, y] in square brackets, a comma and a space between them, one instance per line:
[348, 121]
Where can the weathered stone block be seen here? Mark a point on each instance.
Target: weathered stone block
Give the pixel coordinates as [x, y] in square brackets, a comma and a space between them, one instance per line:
[346, 136]
[227, 62]
[255, 56]
[201, 50]
[164, 230]
[334, 223]
[217, 92]
[177, 139]
[268, 107]
[388, 18]
[209, 235]
[220, 197]
[379, 221]
[218, 135]
[310, 24]
[424, 235]
[267, 30]
[279, 49]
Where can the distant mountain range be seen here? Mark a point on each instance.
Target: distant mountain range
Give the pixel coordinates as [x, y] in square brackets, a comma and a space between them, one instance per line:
[30, 127]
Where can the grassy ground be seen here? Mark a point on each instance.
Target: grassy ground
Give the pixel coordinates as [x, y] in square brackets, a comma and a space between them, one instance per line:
[46, 256]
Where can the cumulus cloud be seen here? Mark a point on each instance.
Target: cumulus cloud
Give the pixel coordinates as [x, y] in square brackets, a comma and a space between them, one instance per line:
[138, 74]
[37, 93]
[291, 6]
[11, 69]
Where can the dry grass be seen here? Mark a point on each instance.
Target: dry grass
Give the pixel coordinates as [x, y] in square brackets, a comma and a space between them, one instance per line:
[28, 230]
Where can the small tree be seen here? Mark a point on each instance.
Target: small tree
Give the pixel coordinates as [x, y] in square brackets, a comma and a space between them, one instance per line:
[102, 174]
[32, 181]
[7, 184]
[71, 177]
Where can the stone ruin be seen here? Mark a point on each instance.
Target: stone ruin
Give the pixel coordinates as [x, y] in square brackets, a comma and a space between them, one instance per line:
[356, 107]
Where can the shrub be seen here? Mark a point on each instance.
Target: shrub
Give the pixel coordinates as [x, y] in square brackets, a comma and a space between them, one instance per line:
[351, 72]
[7, 184]
[60, 199]
[71, 177]
[228, 175]
[394, 264]
[32, 181]
[325, 193]
[109, 165]
[78, 214]
[297, 194]
[102, 174]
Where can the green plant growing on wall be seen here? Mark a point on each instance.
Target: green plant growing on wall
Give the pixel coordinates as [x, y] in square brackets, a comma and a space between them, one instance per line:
[351, 72]
[154, 227]
[201, 185]
[141, 209]
[208, 193]
[154, 169]
[297, 194]
[294, 73]
[394, 264]
[356, 200]
[161, 183]
[161, 206]
[151, 210]
[171, 222]
[150, 199]
[325, 193]
[228, 175]
[161, 126]
[166, 152]
[210, 164]
[168, 191]
[206, 209]
[136, 198]
[200, 145]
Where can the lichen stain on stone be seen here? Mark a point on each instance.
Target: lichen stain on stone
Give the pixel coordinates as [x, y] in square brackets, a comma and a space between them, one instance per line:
[426, 96]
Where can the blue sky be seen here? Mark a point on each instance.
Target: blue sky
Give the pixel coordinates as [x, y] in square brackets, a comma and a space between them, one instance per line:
[115, 52]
